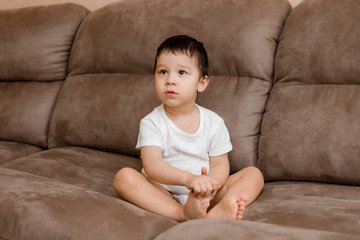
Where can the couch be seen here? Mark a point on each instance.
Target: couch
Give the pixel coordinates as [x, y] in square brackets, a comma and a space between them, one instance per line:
[74, 85]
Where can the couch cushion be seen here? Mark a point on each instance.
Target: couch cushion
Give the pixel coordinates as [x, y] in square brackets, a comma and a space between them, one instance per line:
[35, 42]
[12, 150]
[82, 167]
[217, 229]
[241, 103]
[312, 132]
[102, 111]
[32, 208]
[26, 108]
[240, 37]
[317, 206]
[311, 128]
[123, 37]
[324, 49]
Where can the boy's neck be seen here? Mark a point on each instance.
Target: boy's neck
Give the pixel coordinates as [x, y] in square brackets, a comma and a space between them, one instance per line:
[180, 111]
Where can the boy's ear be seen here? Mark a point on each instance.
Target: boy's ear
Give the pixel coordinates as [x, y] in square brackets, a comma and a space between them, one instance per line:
[203, 83]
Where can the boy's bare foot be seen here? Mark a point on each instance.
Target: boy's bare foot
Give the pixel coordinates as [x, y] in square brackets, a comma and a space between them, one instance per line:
[229, 208]
[196, 207]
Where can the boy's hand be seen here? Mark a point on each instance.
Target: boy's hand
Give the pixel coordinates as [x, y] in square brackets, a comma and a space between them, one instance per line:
[202, 185]
[213, 193]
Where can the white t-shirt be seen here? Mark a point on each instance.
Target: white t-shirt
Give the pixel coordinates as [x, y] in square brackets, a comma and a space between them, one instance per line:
[189, 152]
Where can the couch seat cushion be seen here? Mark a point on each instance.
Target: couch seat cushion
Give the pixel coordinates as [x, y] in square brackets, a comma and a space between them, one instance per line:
[204, 229]
[83, 167]
[33, 207]
[325, 207]
[12, 150]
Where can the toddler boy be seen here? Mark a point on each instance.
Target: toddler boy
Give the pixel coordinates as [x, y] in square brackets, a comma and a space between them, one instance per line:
[184, 147]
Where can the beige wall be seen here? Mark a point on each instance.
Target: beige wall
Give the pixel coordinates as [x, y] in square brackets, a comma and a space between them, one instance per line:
[90, 4]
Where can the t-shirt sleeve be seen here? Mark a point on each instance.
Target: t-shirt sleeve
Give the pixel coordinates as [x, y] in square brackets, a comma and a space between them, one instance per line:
[220, 141]
[149, 134]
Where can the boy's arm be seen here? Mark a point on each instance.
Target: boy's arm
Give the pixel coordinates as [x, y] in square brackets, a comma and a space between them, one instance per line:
[220, 168]
[160, 171]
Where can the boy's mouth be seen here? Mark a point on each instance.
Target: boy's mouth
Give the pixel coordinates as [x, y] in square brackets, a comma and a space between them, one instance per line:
[170, 93]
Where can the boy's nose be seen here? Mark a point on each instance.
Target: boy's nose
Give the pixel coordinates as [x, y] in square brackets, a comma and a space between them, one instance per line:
[170, 80]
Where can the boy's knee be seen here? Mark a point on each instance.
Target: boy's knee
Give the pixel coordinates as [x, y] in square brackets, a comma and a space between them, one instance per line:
[255, 173]
[124, 178]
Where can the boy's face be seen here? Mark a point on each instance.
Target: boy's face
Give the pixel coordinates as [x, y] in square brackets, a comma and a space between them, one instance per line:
[178, 79]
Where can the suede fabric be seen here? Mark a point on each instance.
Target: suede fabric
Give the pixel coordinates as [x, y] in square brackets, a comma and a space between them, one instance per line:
[240, 101]
[245, 47]
[311, 129]
[243, 69]
[102, 111]
[87, 168]
[12, 150]
[306, 205]
[33, 208]
[289, 149]
[25, 109]
[219, 229]
[35, 42]
[320, 44]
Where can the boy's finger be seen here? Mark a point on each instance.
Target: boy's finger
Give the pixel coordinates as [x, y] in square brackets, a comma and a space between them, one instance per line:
[216, 186]
[214, 183]
[201, 190]
[210, 188]
[204, 188]
[196, 190]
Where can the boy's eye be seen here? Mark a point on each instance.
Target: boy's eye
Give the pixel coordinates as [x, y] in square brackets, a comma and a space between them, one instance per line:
[163, 72]
[181, 72]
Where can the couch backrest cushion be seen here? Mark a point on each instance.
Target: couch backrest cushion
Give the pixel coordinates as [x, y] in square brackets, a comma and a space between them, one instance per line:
[311, 129]
[35, 44]
[240, 37]
[101, 111]
[25, 109]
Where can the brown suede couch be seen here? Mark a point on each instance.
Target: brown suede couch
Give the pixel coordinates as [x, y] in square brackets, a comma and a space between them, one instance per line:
[74, 85]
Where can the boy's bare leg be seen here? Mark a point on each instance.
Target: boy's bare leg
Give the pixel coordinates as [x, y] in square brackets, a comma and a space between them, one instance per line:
[137, 189]
[240, 190]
